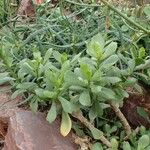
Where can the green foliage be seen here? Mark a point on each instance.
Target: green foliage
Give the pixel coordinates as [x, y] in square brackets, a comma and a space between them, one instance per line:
[8, 9]
[71, 64]
[143, 143]
[97, 146]
[66, 124]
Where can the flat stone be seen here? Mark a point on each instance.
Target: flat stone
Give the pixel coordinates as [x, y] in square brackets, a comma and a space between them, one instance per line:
[7, 108]
[24, 130]
[28, 131]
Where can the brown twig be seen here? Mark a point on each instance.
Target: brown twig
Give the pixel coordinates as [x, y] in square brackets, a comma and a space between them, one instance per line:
[78, 115]
[83, 142]
[122, 119]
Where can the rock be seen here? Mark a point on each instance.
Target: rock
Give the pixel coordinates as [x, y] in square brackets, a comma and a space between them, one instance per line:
[129, 110]
[7, 108]
[26, 8]
[24, 130]
[131, 104]
[38, 2]
[28, 131]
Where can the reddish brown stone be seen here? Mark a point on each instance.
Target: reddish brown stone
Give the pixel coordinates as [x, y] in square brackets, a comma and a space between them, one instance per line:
[28, 131]
[24, 130]
[130, 105]
[7, 108]
[26, 8]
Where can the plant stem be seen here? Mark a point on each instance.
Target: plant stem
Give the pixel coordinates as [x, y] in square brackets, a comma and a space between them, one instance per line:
[143, 66]
[125, 17]
[122, 119]
[83, 4]
[78, 115]
[115, 10]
